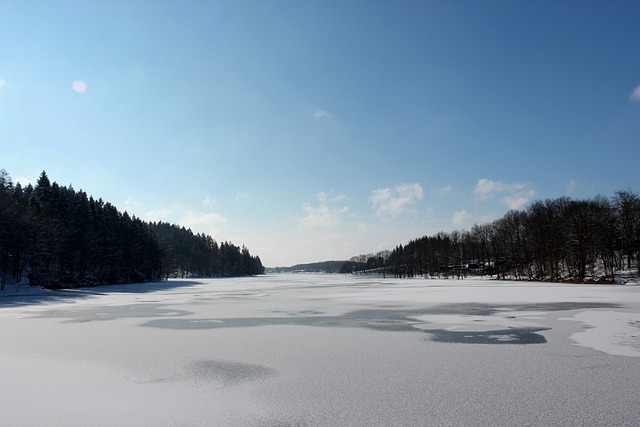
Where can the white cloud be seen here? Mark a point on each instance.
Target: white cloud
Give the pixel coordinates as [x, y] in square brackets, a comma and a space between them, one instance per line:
[242, 196]
[158, 215]
[322, 215]
[571, 186]
[515, 196]
[326, 213]
[209, 223]
[2, 83]
[487, 188]
[635, 94]
[208, 201]
[24, 181]
[79, 86]
[460, 217]
[321, 114]
[324, 197]
[445, 190]
[131, 202]
[515, 202]
[396, 201]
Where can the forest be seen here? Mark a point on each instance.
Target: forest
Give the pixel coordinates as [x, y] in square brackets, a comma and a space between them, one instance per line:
[313, 267]
[556, 240]
[55, 236]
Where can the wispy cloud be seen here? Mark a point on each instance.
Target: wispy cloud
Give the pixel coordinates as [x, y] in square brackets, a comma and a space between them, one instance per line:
[571, 186]
[486, 188]
[397, 200]
[208, 201]
[2, 83]
[514, 196]
[460, 217]
[445, 190]
[324, 197]
[515, 202]
[131, 202]
[322, 215]
[326, 213]
[161, 214]
[210, 223]
[79, 86]
[321, 114]
[635, 94]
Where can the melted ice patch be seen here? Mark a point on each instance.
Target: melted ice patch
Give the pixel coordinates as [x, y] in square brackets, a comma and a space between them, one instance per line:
[503, 319]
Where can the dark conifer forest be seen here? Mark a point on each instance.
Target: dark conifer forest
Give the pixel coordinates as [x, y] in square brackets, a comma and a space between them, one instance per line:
[559, 240]
[55, 236]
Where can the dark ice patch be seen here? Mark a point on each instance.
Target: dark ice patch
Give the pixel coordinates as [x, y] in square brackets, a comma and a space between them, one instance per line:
[502, 336]
[383, 320]
[396, 320]
[225, 372]
[112, 313]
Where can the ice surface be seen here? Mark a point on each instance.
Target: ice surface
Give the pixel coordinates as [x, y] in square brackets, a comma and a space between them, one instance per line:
[612, 332]
[306, 350]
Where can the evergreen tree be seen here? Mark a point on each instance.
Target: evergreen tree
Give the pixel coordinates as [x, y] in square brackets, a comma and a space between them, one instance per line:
[58, 237]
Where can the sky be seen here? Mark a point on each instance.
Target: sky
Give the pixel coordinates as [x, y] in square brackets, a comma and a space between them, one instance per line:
[321, 130]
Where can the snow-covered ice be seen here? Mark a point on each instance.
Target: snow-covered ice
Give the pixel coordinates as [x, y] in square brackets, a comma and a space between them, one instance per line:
[307, 350]
[613, 332]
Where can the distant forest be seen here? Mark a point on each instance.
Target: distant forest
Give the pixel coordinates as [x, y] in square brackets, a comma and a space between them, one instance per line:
[313, 267]
[560, 240]
[54, 236]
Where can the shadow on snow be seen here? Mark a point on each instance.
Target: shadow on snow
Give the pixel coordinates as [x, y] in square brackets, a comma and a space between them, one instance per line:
[28, 296]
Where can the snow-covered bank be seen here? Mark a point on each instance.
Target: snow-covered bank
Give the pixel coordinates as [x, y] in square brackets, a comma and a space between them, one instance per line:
[322, 350]
[16, 290]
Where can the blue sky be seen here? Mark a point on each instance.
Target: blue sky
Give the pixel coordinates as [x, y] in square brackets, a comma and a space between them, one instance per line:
[317, 130]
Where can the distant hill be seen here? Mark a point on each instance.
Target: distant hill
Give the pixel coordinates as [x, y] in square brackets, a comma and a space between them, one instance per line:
[314, 267]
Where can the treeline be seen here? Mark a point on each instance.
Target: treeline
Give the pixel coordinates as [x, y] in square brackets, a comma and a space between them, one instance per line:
[199, 255]
[313, 267]
[54, 236]
[552, 240]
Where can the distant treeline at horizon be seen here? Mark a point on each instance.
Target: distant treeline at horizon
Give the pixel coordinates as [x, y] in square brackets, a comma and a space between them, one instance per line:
[559, 240]
[54, 236]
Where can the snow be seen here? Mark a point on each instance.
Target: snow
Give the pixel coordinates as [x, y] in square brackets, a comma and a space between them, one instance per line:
[22, 290]
[612, 332]
[321, 350]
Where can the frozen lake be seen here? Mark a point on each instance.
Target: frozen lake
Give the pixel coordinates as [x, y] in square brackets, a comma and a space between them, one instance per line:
[322, 350]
